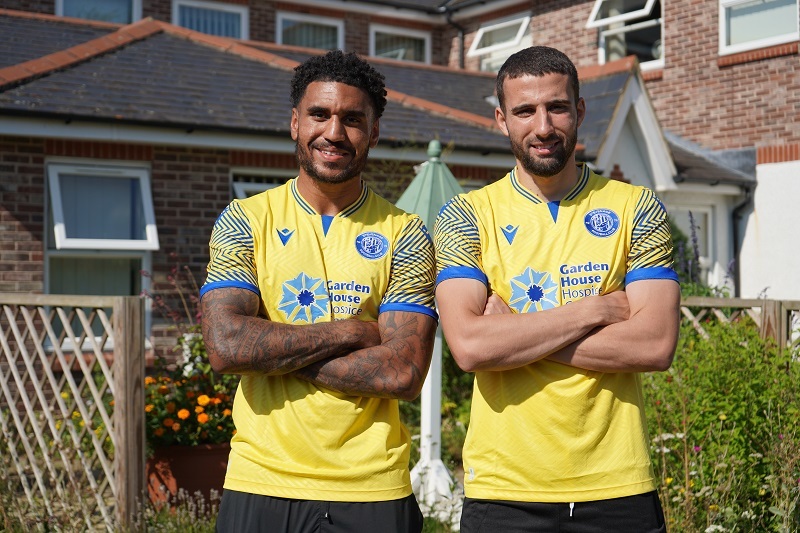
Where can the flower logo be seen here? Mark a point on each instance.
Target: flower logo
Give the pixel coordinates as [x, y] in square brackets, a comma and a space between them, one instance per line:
[305, 299]
[533, 291]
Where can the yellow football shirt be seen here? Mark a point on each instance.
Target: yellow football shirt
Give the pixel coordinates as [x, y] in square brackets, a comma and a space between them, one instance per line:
[548, 432]
[295, 439]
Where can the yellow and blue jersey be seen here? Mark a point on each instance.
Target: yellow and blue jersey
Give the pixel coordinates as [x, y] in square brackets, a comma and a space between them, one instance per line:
[548, 432]
[295, 439]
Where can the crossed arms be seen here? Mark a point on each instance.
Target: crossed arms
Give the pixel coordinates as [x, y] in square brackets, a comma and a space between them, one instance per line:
[631, 331]
[387, 359]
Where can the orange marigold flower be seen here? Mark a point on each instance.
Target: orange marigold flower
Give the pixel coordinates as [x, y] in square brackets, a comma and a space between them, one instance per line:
[183, 414]
[158, 432]
[190, 394]
[176, 427]
[163, 389]
[149, 407]
[149, 380]
[168, 422]
[216, 401]
[170, 407]
[226, 412]
[203, 400]
[202, 418]
[233, 432]
[198, 409]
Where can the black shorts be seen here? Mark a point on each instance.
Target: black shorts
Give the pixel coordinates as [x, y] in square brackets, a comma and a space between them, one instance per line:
[241, 512]
[632, 514]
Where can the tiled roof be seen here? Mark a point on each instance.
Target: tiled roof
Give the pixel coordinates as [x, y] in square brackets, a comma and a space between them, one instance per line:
[155, 73]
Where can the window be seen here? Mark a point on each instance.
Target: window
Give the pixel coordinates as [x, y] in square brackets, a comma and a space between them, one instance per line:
[121, 11]
[405, 44]
[695, 225]
[629, 27]
[497, 40]
[214, 18]
[749, 24]
[309, 31]
[101, 208]
[250, 182]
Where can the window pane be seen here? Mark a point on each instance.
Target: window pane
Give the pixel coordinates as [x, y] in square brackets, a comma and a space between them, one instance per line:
[310, 34]
[760, 19]
[211, 21]
[95, 276]
[644, 43]
[612, 8]
[499, 36]
[398, 47]
[96, 207]
[106, 10]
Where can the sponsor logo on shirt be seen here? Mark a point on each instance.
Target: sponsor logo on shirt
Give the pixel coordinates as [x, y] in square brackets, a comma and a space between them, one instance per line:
[284, 235]
[533, 291]
[304, 299]
[510, 232]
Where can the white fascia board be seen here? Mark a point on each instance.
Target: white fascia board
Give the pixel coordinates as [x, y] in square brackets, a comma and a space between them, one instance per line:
[706, 189]
[87, 131]
[411, 14]
[635, 100]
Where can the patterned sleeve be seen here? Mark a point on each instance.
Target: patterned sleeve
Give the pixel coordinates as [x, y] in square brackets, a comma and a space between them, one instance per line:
[650, 256]
[458, 243]
[232, 262]
[411, 281]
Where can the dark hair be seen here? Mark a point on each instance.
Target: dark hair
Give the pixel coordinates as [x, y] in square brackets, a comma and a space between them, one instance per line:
[536, 61]
[341, 68]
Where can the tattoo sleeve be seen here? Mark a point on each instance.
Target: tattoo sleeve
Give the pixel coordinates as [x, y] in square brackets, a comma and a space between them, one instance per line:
[239, 341]
[394, 369]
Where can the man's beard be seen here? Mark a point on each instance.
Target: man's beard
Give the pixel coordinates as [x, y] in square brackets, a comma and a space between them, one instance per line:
[352, 170]
[549, 166]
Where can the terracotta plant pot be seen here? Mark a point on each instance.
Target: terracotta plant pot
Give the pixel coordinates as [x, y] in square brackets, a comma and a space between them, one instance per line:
[191, 468]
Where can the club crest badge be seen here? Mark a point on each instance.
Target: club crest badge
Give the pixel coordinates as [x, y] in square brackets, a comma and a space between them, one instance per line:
[601, 222]
[372, 245]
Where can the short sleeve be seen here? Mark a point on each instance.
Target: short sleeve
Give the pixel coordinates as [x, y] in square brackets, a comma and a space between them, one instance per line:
[650, 256]
[232, 263]
[457, 241]
[412, 275]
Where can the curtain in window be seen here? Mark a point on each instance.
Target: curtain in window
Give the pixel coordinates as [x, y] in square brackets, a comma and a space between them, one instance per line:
[399, 47]
[299, 33]
[211, 21]
[106, 10]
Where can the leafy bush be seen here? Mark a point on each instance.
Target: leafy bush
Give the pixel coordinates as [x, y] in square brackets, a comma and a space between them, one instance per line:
[724, 428]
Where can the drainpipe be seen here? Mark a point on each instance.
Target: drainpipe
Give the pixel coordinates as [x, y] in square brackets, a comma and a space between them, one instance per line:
[448, 13]
[736, 217]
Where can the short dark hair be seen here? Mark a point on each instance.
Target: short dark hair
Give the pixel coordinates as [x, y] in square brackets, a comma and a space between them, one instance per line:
[339, 67]
[536, 61]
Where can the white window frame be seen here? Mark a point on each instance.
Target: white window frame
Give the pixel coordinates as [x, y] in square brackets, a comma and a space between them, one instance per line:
[706, 261]
[316, 19]
[595, 22]
[400, 32]
[603, 23]
[136, 9]
[244, 189]
[523, 21]
[751, 45]
[62, 242]
[242, 11]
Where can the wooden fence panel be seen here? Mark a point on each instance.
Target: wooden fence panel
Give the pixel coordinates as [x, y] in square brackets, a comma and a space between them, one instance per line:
[71, 409]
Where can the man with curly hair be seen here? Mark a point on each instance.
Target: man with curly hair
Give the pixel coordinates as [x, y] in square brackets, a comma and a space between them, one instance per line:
[320, 294]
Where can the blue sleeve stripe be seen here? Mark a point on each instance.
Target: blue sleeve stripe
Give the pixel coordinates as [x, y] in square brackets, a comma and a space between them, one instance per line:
[462, 272]
[229, 284]
[409, 308]
[651, 273]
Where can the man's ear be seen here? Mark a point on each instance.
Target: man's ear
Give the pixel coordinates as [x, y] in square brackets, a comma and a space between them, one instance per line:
[375, 133]
[500, 117]
[293, 124]
[581, 110]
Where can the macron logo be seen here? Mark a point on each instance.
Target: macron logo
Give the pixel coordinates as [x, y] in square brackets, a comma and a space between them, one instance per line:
[285, 234]
[510, 232]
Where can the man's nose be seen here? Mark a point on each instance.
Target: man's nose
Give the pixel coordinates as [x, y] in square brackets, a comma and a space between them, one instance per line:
[334, 129]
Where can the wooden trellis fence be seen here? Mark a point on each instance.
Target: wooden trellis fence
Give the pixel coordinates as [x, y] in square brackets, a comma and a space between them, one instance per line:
[71, 410]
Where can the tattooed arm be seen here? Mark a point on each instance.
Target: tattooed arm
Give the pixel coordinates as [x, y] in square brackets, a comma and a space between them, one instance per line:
[394, 369]
[238, 341]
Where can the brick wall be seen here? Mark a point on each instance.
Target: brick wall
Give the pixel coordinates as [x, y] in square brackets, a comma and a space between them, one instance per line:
[724, 102]
[21, 214]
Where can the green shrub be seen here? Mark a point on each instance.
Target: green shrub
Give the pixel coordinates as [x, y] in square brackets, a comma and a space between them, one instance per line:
[724, 428]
